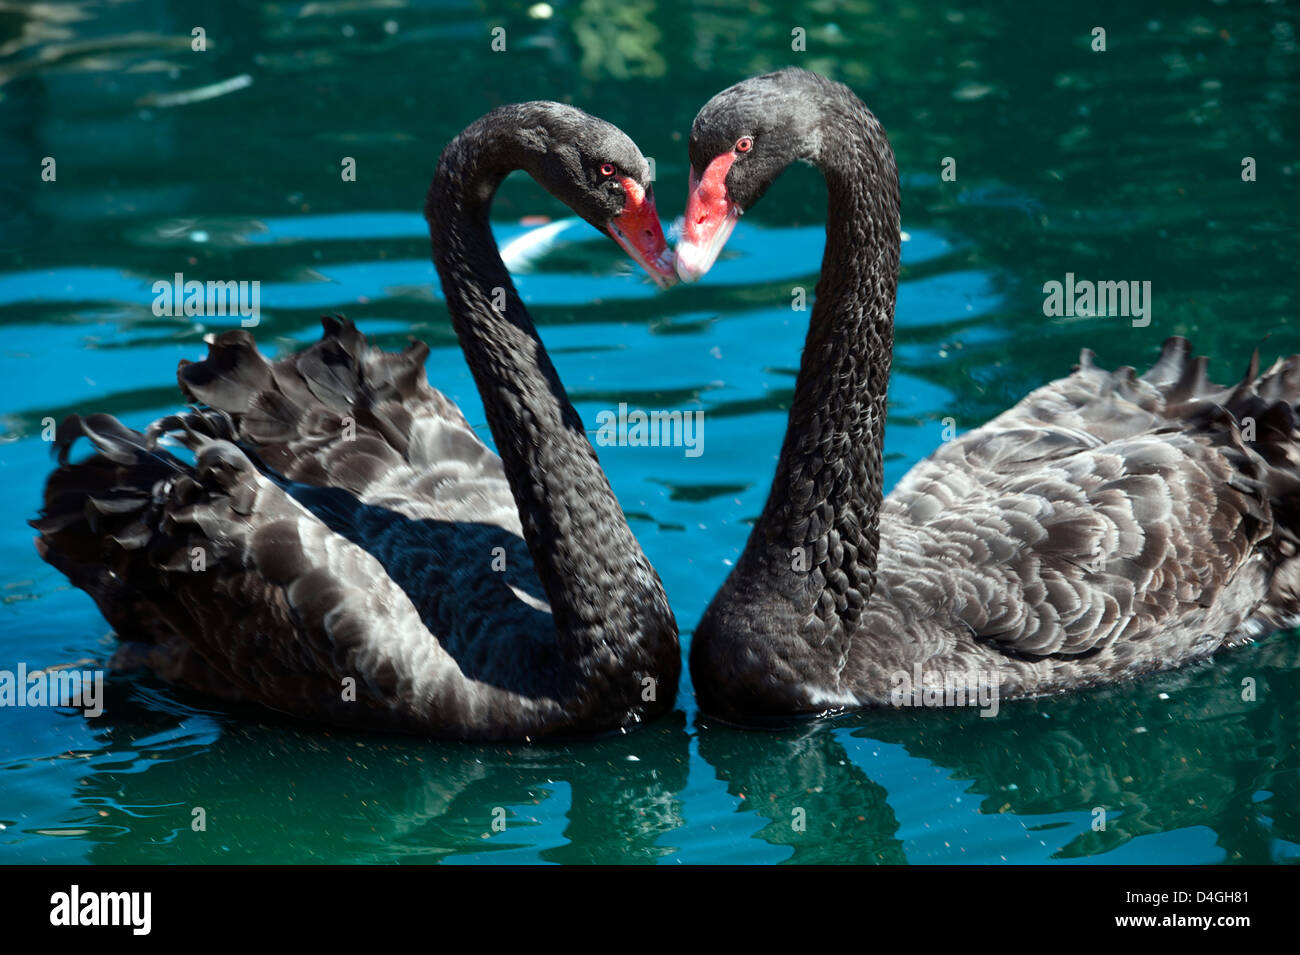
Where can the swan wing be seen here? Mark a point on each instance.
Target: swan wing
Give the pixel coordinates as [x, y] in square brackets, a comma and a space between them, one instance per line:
[388, 462]
[220, 580]
[344, 414]
[1143, 517]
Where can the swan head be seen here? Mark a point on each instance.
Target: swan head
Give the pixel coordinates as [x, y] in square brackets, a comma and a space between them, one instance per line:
[741, 141]
[594, 168]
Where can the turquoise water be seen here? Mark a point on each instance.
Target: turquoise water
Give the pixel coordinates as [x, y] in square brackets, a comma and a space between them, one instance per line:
[1122, 165]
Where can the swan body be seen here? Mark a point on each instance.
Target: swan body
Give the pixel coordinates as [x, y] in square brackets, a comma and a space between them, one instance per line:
[345, 548]
[1108, 525]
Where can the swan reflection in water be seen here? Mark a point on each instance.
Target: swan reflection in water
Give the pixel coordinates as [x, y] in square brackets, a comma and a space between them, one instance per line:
[372, 798]
[1181, 751]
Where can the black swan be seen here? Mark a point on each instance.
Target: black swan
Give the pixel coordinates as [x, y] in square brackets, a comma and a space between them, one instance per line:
[345, 548]
[1107, 526]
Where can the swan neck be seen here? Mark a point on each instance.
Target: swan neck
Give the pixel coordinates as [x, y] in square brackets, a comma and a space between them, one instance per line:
[827, 492]
[602, 590]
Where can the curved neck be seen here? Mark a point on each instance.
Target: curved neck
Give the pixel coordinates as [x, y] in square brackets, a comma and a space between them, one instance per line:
[826, 495]
[603, 592]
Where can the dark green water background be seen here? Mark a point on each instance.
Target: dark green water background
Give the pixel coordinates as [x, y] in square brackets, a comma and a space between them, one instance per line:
[1121, 165]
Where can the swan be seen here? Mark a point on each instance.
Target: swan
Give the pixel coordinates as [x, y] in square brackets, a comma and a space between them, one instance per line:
[1107, 526]
[344, 548]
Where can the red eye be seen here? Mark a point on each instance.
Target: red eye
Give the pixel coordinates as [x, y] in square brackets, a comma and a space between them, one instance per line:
[744, 144]
[607, 169]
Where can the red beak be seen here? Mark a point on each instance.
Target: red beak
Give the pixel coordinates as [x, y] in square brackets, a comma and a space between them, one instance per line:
[638, 232]
[710, 217]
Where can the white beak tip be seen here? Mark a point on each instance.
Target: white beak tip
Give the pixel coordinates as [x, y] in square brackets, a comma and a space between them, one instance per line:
[690, 262]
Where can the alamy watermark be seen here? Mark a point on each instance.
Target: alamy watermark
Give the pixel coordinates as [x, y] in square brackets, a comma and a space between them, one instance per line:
[936, 688]
[177, 297]
[81, 689]
[75, 907]
[651, 429]
[1087, 299]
